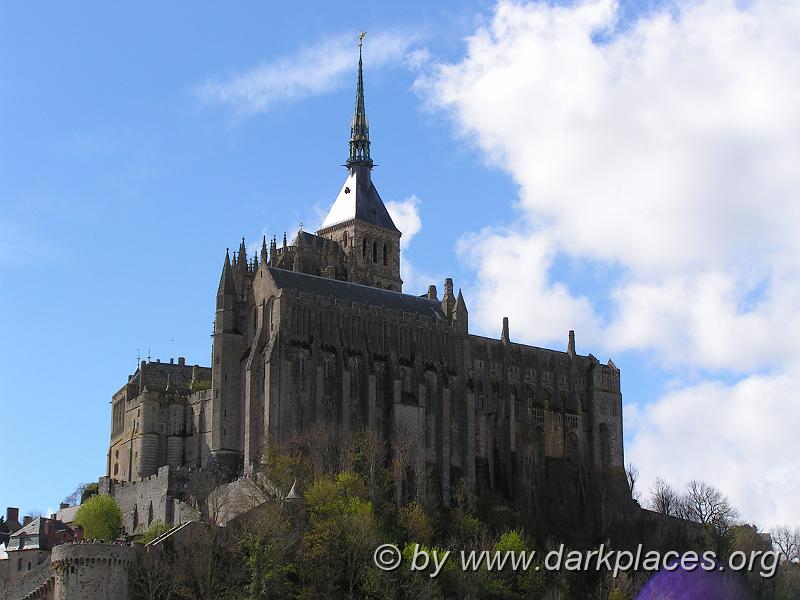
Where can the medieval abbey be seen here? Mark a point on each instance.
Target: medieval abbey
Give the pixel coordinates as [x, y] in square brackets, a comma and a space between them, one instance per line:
[319, 330]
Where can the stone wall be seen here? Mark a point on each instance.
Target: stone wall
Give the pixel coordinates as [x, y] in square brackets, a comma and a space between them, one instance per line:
[35, 584]
[90, 570]
[153, 498]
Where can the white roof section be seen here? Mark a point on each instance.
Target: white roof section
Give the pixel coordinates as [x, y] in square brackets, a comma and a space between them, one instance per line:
[358, 199]
[344, 207]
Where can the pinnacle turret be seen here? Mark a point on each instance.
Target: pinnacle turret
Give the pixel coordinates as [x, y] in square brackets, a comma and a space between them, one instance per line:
[241, 263]
[227, 285]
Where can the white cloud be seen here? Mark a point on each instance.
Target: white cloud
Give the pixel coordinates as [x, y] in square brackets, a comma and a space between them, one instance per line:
[310, 72]
[665, 151]
[741, 437]
[514, 283]
[406, 217]
[669, 150]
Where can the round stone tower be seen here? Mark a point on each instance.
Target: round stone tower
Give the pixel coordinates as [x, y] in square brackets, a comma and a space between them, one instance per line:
[91, 570]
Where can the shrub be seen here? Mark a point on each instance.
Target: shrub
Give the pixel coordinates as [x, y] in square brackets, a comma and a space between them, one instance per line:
[100, 517]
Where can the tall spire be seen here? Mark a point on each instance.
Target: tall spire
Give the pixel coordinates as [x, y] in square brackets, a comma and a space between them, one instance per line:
[359, 130]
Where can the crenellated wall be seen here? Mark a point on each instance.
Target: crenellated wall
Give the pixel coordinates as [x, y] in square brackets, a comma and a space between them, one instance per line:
[91, 570]
[152, 498]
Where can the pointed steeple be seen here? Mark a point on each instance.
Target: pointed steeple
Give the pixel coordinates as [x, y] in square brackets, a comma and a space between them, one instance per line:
[227, 285]
[359, 129]
[241, 264]
[461, 314]
[264, 255]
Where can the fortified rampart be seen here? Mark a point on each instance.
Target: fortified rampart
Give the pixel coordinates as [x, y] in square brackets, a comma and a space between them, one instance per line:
[153, 498]
[91, 570]
[78, 571]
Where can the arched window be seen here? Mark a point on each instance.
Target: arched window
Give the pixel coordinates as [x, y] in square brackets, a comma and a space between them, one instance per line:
[364, 247]
[344, 240]
[385, 255]
[374, 252]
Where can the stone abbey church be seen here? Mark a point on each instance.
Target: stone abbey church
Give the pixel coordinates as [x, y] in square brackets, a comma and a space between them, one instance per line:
[319, 330]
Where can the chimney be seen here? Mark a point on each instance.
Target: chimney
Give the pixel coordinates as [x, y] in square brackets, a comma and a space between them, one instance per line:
[432, 295]
[181, 361]
[63, 505]
[505, 337]
[171, 361]
[571, 344]
[26, 519]
[12, 515]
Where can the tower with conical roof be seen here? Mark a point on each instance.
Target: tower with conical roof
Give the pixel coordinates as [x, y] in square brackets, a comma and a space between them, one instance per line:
[358, 219]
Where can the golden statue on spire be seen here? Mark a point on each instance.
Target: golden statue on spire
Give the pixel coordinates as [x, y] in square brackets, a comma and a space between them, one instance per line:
[361, 38]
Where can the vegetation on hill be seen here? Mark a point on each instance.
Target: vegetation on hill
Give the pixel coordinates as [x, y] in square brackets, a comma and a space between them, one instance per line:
[324, 547]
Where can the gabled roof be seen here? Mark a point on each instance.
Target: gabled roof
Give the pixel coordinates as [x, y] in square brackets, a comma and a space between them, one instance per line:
[358, 199]
[353, 292]
[304, 238]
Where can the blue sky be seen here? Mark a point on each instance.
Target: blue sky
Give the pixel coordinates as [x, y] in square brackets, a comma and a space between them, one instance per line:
[138, 143]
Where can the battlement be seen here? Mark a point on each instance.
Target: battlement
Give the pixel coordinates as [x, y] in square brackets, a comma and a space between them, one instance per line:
[92, 554]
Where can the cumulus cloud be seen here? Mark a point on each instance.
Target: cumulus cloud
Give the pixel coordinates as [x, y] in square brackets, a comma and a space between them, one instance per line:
[741, 437]
[514, 282]
[312, 71]
[665, 150]
[406, 216]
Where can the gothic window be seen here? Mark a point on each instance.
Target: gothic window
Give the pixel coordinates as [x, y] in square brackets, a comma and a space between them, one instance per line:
[385, 255]
[375, 252]
[344, 240]
[364, 246]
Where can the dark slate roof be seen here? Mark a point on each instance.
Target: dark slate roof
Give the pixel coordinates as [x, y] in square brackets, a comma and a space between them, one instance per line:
[359, 199]
[353, 292]
[180, 376]
[304, 238]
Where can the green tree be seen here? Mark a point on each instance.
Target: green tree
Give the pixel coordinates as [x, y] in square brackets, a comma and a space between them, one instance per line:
[100, 517]
[342, 534]
[155, 529]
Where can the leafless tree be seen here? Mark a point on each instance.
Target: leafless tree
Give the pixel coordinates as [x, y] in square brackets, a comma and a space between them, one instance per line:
[632, 474]
[152, 578]
[787, 542]
[328, 447]
[664, 498]
[705, 504]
